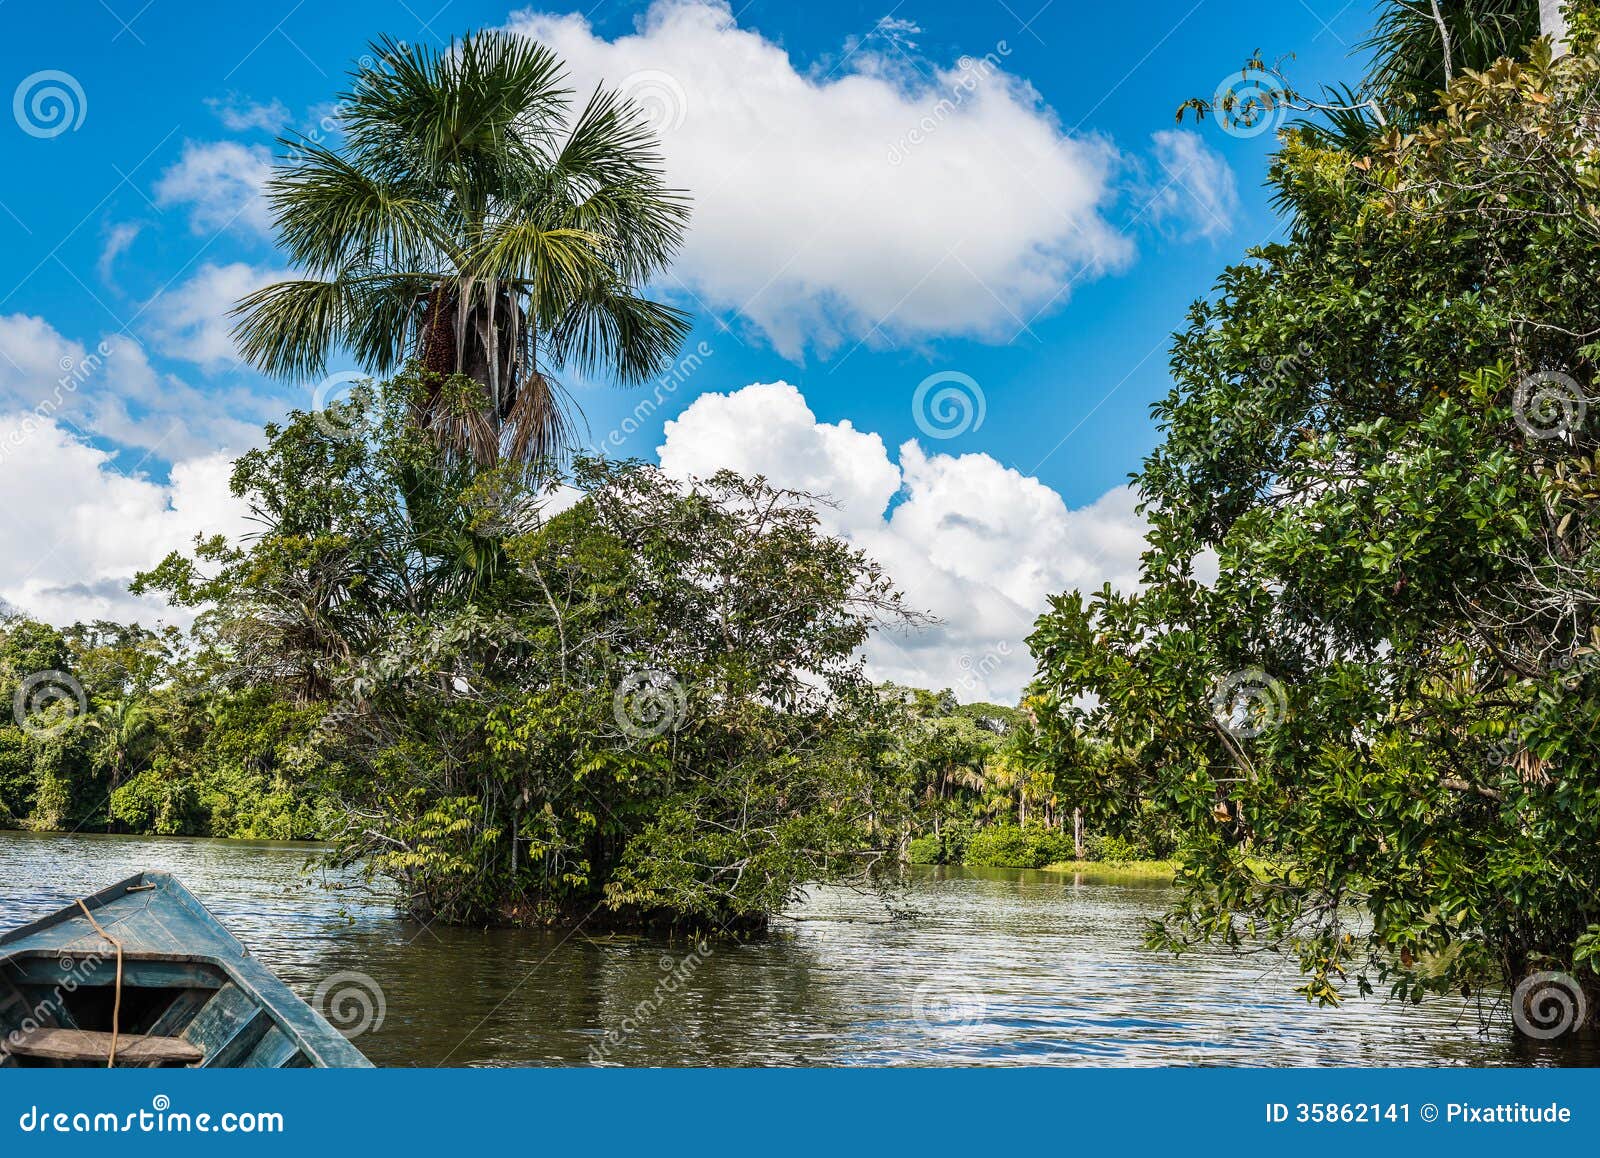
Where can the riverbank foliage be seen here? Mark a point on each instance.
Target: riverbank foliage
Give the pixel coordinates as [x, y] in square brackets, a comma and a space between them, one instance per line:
[985, 790]
[118, 728]
[1383, 432]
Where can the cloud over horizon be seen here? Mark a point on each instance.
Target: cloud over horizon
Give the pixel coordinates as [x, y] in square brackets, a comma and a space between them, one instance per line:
[77, 530]
[976, 543]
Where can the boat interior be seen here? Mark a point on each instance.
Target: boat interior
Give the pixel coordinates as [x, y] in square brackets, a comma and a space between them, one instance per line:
[60, 1010]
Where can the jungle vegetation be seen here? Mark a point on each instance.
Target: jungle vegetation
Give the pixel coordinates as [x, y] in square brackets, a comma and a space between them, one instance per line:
[1356, 694]
[1376, 725]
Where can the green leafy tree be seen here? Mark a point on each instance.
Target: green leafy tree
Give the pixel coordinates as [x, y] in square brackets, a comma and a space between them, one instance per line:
[1419, 47]
[1377, 725]
[1416, 50]
[649, 704]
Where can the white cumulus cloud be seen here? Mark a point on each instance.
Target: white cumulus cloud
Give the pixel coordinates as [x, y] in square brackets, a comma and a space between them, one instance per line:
[241, 115]
[111, 390]
[117, 240]
[977, 543]
[1194, 188]
[76, 531]
[190, 320]
[221, 184]
[878, 202]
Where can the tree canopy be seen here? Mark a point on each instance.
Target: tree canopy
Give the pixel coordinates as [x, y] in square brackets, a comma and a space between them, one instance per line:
[1376, 723]
[649, 702]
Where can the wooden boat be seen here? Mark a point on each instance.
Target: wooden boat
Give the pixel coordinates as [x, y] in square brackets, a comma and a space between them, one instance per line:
[140, 974]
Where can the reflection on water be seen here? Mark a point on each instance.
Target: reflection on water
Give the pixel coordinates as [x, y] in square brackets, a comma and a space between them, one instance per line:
[997, 968]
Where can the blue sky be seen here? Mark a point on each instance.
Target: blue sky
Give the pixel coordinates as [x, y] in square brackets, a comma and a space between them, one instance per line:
[1035, 241]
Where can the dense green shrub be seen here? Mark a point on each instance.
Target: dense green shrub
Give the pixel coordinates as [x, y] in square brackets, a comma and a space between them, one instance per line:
[155, 803]
[925, 850]
[1007, 846]
[955, 836]
[1113, 848]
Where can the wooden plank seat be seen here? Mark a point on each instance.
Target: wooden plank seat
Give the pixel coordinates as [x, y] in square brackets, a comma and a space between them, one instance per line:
[87, 1046]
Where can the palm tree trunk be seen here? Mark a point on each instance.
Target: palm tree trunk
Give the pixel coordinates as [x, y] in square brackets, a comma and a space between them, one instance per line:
[1077, 833]
[1553, 24]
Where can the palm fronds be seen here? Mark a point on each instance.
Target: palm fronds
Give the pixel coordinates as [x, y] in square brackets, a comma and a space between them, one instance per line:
[465, 223]
[1409, 48]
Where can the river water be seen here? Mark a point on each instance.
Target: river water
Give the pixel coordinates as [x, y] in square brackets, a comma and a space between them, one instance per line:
[995, 967]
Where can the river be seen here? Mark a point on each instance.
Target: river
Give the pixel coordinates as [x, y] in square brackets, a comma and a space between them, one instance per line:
[996, 967]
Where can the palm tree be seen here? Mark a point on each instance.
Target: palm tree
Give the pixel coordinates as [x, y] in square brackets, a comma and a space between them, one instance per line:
[1419, 45]
[125, 729]
[468, 225]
